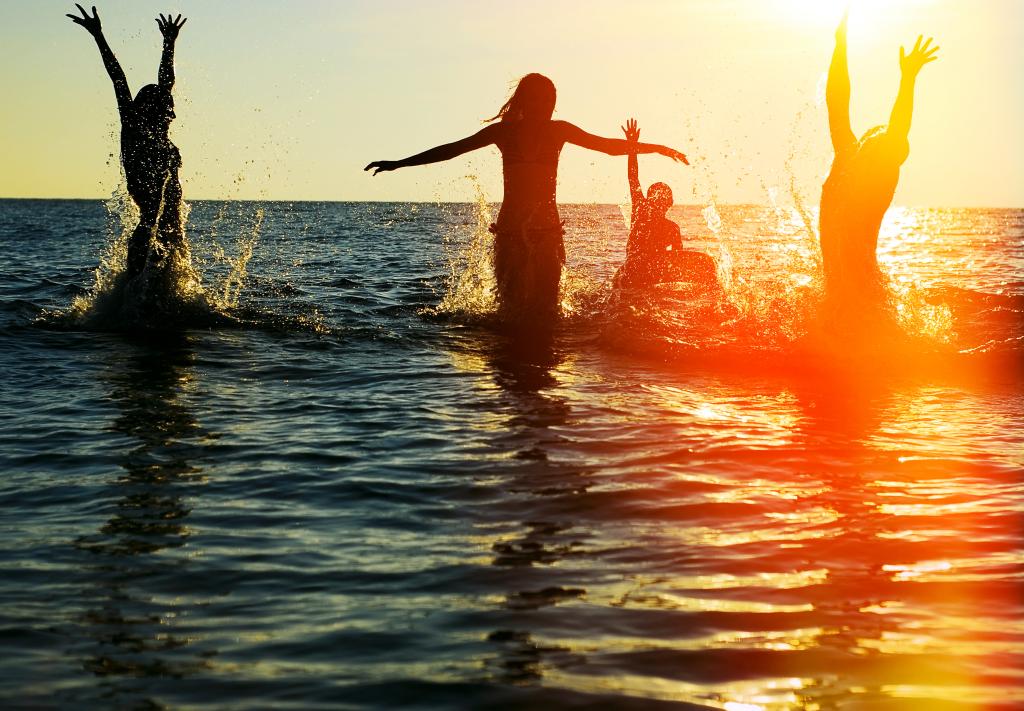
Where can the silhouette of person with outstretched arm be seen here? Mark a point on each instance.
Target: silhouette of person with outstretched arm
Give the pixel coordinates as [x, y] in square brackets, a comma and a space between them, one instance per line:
[862, 181]
[654, 251]
[150, 160]
[528, 248]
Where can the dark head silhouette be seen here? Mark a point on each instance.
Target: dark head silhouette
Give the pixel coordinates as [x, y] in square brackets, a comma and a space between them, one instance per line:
[528, 249]
[659, 198]
[533, 98]
[154, 107]
[862, 182]
[150, 160]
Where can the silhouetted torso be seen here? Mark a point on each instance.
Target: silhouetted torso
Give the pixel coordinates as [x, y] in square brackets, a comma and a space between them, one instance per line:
[648, 255]
[854, 198]
[151, 164]
[529, 155]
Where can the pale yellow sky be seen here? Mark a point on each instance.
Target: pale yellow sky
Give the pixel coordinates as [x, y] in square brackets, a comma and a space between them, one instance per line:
[288, 99]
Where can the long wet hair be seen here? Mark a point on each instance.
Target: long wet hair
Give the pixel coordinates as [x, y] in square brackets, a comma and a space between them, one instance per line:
[534, 97]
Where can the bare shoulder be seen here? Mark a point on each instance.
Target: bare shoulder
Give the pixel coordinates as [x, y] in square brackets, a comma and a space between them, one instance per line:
[564, 129]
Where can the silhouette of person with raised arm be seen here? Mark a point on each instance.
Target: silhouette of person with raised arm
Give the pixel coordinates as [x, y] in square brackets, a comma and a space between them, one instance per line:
[528, 248]
[150, 160]
[862, 182]
[654, 251]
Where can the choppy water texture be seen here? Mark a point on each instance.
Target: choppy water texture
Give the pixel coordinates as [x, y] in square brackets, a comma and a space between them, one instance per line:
[351, 494]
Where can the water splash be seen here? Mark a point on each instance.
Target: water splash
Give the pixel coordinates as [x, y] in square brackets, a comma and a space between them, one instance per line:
[227, 294]
[170, 294]
[470, 286]
[724, 263]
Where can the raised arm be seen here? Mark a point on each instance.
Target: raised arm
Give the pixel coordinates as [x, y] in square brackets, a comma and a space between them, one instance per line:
[636, 195]
[169, 29]
[837, 93]
[92, 25]
[910, 65]
[614, 146]
[484, 137]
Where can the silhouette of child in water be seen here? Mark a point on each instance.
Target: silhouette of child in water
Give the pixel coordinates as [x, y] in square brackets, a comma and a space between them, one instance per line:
[654, 252]
[150, 160]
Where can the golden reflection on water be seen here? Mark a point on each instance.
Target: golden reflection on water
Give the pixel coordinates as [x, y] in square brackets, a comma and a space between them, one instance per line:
[870, 532]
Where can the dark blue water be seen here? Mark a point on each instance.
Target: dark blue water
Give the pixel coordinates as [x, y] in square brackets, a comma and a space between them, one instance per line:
[347, 497]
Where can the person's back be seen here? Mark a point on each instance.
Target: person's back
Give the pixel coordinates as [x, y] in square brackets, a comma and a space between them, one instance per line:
[653, 241]
[854, 199]
[529, 154]
[149, 158]
[862, 182]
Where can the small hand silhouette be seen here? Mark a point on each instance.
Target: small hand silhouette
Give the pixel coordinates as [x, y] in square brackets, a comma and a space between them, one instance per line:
[92, 24]
[919, 56]
[631, 130]
[169, 27]
[382, 166]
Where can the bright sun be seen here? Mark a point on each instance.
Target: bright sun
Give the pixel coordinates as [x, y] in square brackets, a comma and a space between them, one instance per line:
[812, 12]
[826, 13]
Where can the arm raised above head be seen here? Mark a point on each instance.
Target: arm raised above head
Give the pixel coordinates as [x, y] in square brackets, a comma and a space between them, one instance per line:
[484, 137]
[169, 28]
[837, 93]
[93, 26]
[636, 195]
[910, 66]
[614, 146]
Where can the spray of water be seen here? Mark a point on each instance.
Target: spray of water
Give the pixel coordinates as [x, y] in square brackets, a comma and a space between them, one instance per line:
[170, 291]
[470, 287]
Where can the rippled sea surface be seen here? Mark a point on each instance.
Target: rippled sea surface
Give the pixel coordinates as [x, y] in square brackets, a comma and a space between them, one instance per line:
[353, 501]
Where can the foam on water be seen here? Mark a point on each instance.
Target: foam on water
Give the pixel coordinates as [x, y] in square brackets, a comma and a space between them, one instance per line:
[171, 294]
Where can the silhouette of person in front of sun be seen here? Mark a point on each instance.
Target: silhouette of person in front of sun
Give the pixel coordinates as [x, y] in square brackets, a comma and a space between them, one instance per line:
[654, 251]
[150, 160]
[862, 182]
[528, 248]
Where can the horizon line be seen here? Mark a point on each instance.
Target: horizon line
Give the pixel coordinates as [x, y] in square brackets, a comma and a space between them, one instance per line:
[494, 202]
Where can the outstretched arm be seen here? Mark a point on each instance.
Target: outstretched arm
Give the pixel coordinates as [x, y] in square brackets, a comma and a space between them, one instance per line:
[614, 146]
[910, 65]
[484, 137]
[837, 93]
[169, 29]
[92, 24]
[636, 195]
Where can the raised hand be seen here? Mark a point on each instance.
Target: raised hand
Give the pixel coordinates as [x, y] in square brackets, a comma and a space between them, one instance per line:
[92, 24]
[920, 55]
[169, 27]
[382, 166]
[631, 130]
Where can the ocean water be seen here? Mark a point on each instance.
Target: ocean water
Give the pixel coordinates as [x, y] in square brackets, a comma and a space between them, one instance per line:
[351, 492]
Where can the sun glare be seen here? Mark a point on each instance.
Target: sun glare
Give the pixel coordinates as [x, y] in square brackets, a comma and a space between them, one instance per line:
[826, 13]
[811, 12]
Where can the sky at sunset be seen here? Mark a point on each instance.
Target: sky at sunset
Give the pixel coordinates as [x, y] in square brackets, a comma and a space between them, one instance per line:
[290, 99]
